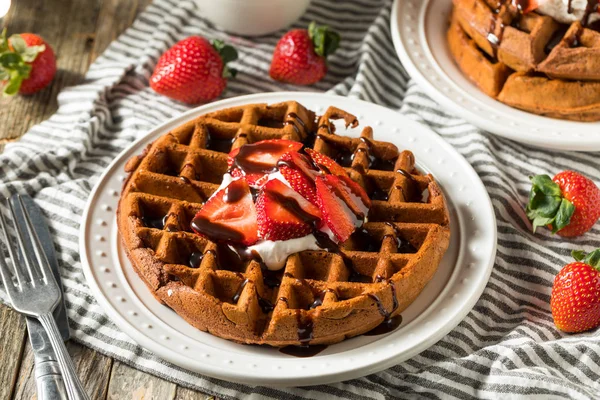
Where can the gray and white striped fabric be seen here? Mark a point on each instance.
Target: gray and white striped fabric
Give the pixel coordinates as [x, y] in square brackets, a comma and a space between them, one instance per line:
[507, 347]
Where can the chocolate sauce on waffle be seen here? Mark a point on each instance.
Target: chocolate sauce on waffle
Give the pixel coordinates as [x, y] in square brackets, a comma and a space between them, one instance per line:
[159, 222]
[413, 186]
[296, 122]
[222, 145]
[215, 231]
[379, 194]
[325, 243]
[591, 7]
[386, 326]
[403, 246]
[389, 323]
[242, 161]
[366, 241]
[195, 259]
[265, 305]
[305, 328]
[271, 279]
[303, 351]
[239, 291]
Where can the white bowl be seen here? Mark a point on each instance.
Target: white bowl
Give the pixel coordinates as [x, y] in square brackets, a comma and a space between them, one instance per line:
[252, 17]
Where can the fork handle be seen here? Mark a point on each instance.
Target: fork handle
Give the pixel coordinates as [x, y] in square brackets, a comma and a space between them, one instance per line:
[73, 384]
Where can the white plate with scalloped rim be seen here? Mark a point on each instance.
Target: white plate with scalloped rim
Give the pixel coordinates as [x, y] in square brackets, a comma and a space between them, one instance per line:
[419, 35]
[445, 301]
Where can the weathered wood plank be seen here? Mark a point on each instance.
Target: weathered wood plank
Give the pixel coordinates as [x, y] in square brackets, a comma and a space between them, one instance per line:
[115, 16]
[129, 383]
[92, 367]
[12, 340]
[187, 394]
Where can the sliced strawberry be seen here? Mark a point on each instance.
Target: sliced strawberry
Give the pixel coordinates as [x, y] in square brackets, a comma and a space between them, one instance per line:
[326, 164]
[284, 214]
[299, 174]
[342, 205]
[229, 215]
[356, 194]
[258, 159]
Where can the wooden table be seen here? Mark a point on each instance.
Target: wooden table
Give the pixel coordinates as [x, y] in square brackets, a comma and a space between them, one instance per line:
[78, 30]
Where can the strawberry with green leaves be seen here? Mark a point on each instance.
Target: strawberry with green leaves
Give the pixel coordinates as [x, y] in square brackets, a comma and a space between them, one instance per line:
[569, 203]
[575, 301]
[300, 55]
[194, 70]
[27, 64]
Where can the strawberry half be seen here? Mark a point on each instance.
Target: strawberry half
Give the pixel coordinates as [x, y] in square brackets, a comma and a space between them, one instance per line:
[342, 204]
[256, 160]
[229, 215]
[325, 164]
[300, 175]
[284, 214]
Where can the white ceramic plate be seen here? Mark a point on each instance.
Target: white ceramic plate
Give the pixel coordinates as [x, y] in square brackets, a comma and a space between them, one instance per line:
[419, 34]
[446, 300]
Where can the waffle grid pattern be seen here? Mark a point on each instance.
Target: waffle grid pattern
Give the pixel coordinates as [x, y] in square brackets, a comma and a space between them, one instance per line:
[320, 297]
[528, 61]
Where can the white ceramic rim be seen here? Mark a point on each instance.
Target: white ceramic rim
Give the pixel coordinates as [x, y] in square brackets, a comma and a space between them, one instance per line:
[411, 34]
[468, 280]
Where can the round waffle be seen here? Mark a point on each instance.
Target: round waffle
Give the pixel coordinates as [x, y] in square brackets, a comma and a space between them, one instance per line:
[528, 61]
[319, 297]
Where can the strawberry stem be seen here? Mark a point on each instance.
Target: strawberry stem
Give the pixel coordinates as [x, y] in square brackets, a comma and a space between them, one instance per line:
[15, 59]
[325, 40]
[547, 206]
[228, 53]
[592, 259]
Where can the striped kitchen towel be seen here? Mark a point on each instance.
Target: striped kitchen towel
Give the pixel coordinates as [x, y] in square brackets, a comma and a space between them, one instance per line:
[507, 346]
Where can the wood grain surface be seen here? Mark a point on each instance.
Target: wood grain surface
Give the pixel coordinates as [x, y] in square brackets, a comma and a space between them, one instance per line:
[92, 25]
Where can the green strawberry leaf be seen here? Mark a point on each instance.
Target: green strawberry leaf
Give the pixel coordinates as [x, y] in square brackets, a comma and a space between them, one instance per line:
[592, 259]
[229, 72]
[13, 86]
[18, 43]
[325, 40]
[546, 205]
[546, 185]
[578, 255]
[563, 216]
[228, 53]
[30, 53]
[3, 41]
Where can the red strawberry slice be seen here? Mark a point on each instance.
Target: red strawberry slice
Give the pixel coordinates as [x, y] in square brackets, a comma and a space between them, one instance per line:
[300, 175]
[258, 159]
[284, 214]
[326, 164]
[229, 215]
[342, 204]
[354, 195]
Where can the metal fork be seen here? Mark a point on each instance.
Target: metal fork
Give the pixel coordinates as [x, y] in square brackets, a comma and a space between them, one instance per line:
[36, 292]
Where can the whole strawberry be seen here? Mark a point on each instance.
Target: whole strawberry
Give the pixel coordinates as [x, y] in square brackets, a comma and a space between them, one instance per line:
[193, 70]
[27, 64]
[575, 301]
[299, 56]
[569, 203]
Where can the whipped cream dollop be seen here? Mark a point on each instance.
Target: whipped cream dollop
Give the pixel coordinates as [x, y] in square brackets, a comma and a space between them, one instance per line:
[567, 11]
[274, 253]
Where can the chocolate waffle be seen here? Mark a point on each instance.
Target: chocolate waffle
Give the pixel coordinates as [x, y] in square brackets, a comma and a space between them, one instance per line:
[319, 297]
[527, 60]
